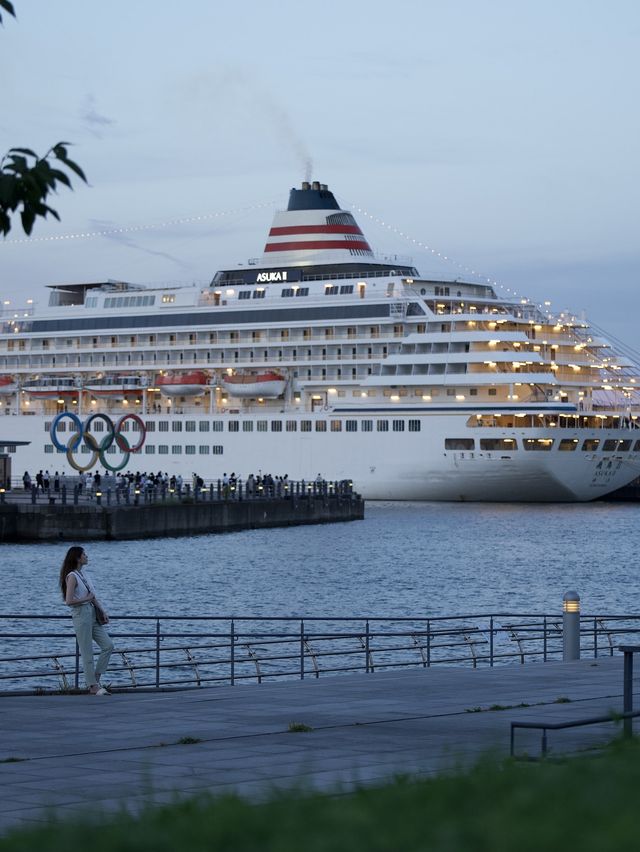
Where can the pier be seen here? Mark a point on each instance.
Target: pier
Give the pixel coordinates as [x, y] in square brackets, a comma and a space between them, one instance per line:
[108, 516]
[327, 735]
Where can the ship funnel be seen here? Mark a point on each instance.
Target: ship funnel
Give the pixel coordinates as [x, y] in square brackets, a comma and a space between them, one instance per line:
[314, 229]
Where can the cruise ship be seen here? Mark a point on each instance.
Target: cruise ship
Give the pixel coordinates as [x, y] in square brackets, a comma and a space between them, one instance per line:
[321, 357]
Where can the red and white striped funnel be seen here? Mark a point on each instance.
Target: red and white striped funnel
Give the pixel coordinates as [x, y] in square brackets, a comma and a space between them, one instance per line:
[313, 229]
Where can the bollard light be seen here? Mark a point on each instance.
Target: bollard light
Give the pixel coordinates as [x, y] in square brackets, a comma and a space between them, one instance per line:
[99, 498]
[571, 602]
[2, 493]
[570, 626]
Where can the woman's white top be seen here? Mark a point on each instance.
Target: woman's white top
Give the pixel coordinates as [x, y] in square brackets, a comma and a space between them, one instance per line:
[83, 587]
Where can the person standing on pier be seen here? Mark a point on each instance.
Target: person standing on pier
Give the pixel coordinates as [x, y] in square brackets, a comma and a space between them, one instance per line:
[88, 618]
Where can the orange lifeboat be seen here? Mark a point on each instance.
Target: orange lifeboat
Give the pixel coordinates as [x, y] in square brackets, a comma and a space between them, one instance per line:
[7, 385]
[182, 384]
[267, 385]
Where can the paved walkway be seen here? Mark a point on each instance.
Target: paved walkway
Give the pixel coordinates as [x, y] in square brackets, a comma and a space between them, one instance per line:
[86, 754]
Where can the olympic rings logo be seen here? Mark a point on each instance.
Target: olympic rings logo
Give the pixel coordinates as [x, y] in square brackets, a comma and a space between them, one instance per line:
[97, 448]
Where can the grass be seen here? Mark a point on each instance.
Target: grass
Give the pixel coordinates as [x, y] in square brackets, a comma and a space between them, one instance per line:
[587, 803]
[299, 728]
[189, 740]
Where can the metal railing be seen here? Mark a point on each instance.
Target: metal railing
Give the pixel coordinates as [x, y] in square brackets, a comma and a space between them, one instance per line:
[117, 491]
[39, 652]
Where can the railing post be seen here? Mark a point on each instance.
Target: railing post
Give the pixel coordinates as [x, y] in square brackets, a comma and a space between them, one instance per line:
[544, 639]
[301, 649]
[491, 642]
[595, 636]
[232, 643]
[157, 653]
[428, 643]
[366, 646]
[76, 678]
[627, 696]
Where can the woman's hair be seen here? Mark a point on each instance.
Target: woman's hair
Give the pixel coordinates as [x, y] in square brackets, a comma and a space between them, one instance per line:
[70, 564]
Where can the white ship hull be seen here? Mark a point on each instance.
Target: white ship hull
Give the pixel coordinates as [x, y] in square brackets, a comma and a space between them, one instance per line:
[382, 466]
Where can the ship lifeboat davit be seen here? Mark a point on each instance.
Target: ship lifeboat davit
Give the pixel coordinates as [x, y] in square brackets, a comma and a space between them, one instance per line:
[110, 387]
[182, 384]
[53, 387]
[267, 385]
[7, 385]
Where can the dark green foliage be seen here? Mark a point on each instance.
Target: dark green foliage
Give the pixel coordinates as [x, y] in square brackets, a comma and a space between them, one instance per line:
[586, 803]
[26, 181]
[8, 7]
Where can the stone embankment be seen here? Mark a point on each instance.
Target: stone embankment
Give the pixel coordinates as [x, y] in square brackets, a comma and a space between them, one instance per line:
[26, 522]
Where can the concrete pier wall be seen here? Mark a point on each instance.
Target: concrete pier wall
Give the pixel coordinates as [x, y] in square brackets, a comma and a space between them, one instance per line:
[26, 522]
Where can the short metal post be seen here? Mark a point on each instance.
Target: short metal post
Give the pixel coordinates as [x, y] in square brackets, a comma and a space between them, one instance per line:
[366, 646]
[570, 627]
[108, 496]
[301, 649]
[76, 495]
[232, 643]
[34, 492]
[627, 699]
[544, 742]
[76, 678]
[491, 641]
[63, 492]
[157, 653]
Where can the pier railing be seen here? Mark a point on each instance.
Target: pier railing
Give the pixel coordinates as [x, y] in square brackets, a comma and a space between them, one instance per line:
[38, 653]
[112, 492]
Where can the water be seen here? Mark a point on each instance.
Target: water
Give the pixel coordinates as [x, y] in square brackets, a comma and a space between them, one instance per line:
[403, 559]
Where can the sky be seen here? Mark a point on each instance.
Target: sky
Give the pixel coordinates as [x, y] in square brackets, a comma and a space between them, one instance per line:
[504, 135]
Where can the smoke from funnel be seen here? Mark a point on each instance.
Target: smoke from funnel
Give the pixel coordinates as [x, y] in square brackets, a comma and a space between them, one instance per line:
[277, 116]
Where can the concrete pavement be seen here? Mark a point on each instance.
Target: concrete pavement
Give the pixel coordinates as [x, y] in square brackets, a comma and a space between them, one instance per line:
[63, 755]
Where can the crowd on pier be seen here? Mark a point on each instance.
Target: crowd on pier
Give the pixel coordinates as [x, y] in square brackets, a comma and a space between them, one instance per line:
[137, 482]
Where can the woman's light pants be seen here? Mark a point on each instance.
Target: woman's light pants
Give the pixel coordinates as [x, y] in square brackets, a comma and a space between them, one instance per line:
[88, 629]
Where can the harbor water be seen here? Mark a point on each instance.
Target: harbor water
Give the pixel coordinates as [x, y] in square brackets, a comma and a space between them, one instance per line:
[414, 559]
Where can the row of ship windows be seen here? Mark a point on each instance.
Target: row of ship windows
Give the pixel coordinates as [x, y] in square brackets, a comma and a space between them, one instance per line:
[290, 292]
[589, 445]
[264, 426]
[122, 301]
[163, 450]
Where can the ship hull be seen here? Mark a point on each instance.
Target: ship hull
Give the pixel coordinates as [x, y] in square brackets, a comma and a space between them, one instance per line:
[381, 466]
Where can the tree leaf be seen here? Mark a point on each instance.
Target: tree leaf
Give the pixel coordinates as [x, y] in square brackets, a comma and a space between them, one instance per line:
[8, 7]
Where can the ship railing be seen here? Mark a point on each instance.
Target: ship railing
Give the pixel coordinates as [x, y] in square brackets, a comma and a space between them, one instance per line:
[39, 653]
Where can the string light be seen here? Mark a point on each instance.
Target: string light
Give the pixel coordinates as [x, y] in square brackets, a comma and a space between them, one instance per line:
[109, 232]
[463, 267]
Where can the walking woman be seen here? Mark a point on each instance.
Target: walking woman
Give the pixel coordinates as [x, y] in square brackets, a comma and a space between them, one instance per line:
[79, 594]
